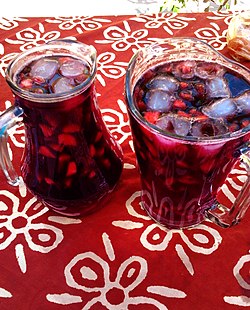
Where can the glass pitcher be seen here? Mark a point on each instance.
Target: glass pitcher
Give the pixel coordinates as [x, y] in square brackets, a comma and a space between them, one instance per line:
[70, 161]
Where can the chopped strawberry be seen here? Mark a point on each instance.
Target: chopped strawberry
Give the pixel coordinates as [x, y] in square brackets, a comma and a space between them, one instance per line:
[186, 95]
[67, 139]
[151, 116]
[49, 181]
[71, 128]
[45, 151]
[92, 174]
[26, 83]
[72, 169]
[179, 104]
[46, 130]
[98, 136]
[200, 87]
[183, 114]
[92, 150]
[183, 85]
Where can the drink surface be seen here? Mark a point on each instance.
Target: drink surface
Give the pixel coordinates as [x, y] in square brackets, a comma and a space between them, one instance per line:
[52, 74]
[194, 98]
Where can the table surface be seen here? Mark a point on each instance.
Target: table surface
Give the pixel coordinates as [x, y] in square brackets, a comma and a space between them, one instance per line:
[116, 258]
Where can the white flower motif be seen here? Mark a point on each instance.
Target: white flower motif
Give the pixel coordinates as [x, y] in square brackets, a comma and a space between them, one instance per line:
[241, 273]
[30, 37]
[123, 39]
[106, 68]
[90, 274]
[117, 122]
[169, 21]
[4, 62]
[18, 222]
[213, 35]
[201, 239]
[8, 24]
[80, 23]
[225, 15]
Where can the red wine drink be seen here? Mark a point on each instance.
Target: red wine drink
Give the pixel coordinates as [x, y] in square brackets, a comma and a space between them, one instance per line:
[70, 161]
[190, 120]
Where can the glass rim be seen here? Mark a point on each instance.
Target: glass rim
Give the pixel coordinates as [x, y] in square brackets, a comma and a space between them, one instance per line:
[192, 139]
[51, 97]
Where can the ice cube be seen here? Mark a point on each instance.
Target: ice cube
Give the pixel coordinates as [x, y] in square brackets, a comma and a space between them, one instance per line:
[73, 68]
[44, 68]
[184, 69]
[62, 85]
[166, 83]
[208, 70]
[208, 128]
[174, 123]
[158, 100]
[243, 103]
[217, 88]
[221, 108]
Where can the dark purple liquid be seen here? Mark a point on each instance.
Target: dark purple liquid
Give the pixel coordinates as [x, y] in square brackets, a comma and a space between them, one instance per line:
[70, 159]
[180, 179]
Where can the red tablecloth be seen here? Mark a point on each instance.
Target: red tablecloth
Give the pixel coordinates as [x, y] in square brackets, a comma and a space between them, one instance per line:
[116, 258]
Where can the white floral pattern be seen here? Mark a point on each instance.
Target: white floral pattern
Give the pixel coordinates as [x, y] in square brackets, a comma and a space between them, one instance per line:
[242, 266]
[87, 270]
[109, 260]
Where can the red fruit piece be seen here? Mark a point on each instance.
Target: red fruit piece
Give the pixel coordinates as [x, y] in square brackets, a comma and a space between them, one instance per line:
[186, 95]
[26, 83]
[72, 169]
[179, 104]
[46, 130]
[67, 139]
[71, 128]
[200, 88]
[49, 181]
[151, 116]
[45, 151]
[183, 85]
[98, 136]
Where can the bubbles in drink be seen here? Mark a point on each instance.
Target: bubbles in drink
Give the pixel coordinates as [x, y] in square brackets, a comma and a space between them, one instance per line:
[53, 74]
[194, 98]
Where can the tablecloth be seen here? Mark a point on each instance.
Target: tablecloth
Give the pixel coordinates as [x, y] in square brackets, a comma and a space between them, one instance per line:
[116, 258]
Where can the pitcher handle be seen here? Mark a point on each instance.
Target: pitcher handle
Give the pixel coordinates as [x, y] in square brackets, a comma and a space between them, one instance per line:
[8, 119]
[226, 217]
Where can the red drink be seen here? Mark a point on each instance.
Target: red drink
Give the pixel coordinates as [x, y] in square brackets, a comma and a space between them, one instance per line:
[70, 161]
[184, 122]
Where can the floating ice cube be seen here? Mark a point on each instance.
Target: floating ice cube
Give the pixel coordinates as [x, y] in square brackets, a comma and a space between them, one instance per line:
[174, 124]
[243, 102]
[72, 68]
[217, 88]
[158, 100]
[166, 83]
[62, 85]
[208, 128]
[184, 69]
[44, 68]
[221, 108]
[208, 70]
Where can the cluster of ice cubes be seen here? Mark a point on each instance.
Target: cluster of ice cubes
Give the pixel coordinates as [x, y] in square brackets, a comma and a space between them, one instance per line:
[218, 104]
[65, 73]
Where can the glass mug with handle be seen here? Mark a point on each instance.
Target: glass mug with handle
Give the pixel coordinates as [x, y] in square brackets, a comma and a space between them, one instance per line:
[70, 162]
[189, 110]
